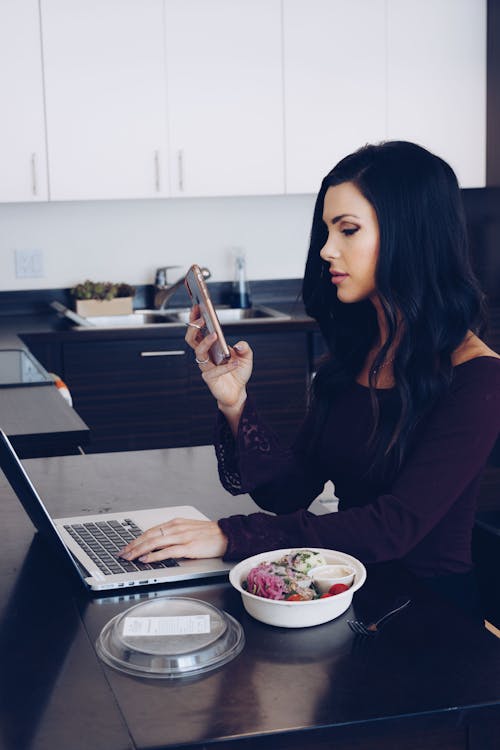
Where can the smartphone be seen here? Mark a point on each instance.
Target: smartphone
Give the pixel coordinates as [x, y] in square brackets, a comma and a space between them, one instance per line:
[198, 291]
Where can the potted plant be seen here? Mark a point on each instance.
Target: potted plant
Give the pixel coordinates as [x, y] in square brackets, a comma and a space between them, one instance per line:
[103, 298]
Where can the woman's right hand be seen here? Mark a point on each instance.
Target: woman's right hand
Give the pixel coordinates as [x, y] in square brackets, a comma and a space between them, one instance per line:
[227, 381]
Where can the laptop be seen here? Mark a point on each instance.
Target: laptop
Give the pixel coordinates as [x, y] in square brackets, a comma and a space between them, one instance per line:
[91, 542]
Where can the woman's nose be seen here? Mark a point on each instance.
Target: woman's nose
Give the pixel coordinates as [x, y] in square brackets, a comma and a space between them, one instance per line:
[329, 251]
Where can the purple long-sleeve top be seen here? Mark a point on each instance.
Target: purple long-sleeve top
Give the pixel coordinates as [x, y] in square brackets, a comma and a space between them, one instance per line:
[423, 516]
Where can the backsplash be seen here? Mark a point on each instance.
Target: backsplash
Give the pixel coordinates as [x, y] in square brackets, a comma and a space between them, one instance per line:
[127, 240]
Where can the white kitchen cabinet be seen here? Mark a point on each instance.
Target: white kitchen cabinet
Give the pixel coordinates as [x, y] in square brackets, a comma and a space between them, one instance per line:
[437, 80]
[360, 71]
[105, 98]
[225, 96]
[152, 98]
[23, 164]
[335, 84]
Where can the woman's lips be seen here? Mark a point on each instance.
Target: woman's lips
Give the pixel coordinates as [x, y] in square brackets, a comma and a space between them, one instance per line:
[338, 277]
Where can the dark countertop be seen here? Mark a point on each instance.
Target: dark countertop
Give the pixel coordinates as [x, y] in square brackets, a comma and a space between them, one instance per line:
[36, 418]
[28, 313]
[430, 679]
[52, 328]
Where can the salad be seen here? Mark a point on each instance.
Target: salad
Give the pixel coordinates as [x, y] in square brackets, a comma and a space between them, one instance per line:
[288, 578]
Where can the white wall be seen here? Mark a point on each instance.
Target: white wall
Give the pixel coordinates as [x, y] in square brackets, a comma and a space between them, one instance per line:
[127, 240]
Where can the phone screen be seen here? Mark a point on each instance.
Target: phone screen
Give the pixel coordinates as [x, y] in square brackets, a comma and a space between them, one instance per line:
[198, 291]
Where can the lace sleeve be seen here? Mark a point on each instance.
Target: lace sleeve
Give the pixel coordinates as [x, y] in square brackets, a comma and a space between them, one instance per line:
[241, 457]
[280, 479]
[227, 459]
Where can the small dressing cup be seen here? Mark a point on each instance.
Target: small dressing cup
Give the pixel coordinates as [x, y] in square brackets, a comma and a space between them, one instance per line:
[325, 576]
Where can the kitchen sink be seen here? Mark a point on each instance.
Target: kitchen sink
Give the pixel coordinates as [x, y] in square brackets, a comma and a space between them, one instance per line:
[178, 315]
[232, 314]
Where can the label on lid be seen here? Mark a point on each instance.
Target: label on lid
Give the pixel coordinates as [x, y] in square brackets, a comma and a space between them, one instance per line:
[179, 625]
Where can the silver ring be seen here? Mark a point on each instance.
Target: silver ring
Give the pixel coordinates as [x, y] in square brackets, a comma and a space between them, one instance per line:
[194, 325]
[201, 361]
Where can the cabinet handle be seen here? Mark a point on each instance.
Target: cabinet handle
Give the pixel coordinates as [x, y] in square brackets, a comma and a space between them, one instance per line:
[180, 169]
[157, 171]
[169, 353]
[34, 186]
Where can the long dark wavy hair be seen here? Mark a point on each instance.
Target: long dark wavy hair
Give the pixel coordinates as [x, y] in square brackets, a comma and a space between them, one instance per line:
[428, 292]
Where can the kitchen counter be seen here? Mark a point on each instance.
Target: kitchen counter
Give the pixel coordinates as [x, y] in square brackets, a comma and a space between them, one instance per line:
[36, 418]
[430, 679]
[43, 324]
[39, 422]
[30, 312]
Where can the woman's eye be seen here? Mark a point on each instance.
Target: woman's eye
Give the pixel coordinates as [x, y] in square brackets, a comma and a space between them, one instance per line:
[349, 232]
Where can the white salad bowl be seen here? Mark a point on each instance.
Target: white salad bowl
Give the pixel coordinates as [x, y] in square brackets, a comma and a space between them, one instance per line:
[286, 614]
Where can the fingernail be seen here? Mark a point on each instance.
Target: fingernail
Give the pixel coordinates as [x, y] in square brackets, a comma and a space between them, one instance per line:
[144, 558]
[238, 348]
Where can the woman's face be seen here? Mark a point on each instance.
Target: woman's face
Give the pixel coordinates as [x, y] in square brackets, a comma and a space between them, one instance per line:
[352, 246]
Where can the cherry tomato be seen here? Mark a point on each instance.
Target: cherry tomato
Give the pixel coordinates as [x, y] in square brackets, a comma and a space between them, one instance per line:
[337, 588]
[295, 598]
[325, 596]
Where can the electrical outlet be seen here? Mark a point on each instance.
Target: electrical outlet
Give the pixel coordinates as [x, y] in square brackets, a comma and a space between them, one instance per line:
[29, 264]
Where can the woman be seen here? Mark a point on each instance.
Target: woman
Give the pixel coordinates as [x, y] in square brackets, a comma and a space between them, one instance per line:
[405, 411]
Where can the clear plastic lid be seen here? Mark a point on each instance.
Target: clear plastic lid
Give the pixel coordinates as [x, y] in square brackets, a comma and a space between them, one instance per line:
[170, 637]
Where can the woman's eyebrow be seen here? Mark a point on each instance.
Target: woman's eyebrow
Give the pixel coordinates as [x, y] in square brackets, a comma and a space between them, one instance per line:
[336, 219]
[343, 216]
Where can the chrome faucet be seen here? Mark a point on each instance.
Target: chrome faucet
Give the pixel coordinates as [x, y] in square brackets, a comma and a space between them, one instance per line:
[164, 291]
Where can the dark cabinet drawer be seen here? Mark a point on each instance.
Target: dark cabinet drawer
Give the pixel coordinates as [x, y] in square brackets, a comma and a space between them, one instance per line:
[132, 393]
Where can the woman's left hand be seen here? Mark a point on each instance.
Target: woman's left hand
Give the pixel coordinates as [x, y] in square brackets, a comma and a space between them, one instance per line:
[181, 537]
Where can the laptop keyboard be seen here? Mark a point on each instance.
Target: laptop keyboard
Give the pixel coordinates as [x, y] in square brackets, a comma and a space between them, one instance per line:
[101, 540]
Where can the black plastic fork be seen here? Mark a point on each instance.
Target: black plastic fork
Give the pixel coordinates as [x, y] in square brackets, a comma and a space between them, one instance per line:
[359, 627]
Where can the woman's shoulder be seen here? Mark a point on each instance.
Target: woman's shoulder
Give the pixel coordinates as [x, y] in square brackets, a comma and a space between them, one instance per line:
[473, 348]
[476, 365]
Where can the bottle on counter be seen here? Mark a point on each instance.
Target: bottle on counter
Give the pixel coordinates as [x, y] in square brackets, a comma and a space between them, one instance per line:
[240, 296]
